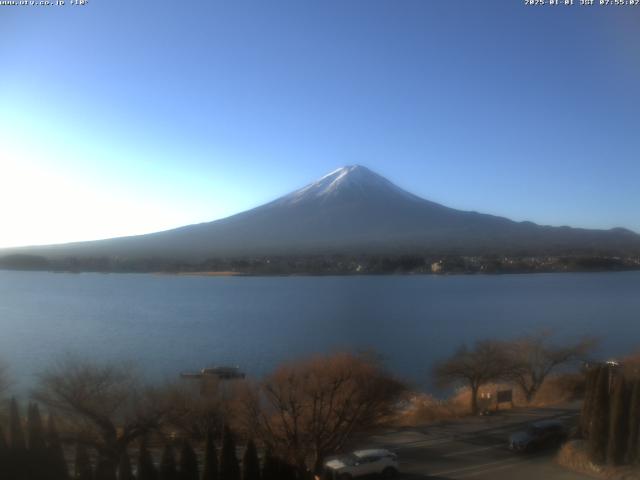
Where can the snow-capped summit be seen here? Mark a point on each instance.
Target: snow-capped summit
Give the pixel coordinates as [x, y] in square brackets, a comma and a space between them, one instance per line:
[351, 181]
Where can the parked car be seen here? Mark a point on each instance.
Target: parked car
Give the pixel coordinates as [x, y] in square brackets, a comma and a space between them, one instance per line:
[363, 463]
[538, 435]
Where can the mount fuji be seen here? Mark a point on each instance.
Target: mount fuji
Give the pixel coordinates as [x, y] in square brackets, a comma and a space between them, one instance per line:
[352, 210]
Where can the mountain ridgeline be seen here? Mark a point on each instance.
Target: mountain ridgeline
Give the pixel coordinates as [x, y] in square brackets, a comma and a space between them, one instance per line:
[351, 211]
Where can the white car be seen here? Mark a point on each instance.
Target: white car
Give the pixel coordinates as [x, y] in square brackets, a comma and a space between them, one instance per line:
[362, 463]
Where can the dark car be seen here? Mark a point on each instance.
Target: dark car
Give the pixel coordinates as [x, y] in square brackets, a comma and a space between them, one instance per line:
[538, 435]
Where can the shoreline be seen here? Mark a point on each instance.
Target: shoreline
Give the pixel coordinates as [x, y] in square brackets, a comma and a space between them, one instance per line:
[331, 265]
[204, 274]
[225, 273]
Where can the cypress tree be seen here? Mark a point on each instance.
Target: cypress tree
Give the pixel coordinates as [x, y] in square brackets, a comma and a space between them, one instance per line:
[210, 471]
[634, 423]
[637, 452]
[599, 428]
[586, 411]
[274, 468]
[36, 445]
[146, 468]
[17, 446]
[250, 462]
[285, 471]
[229, 467]
[55, 454]
[269, 466]
[188, 463]
[35, 430]
[105, 469]
[4, 456]
[83, 470]
[16, 435]
[168, 470]
[292, 472]
[618, 424]
[124, 467]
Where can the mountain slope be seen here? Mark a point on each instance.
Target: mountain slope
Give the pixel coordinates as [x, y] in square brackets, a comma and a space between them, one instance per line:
[354, 210]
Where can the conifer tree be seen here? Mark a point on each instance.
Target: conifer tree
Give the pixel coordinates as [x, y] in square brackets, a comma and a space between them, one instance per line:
[16, 434]
[210, 471]
[146, 468]
[618, 424]
[284, 470]
[124, 467]
[38, 467]
[17, 446]
[587, 405]
[83, 470]
[229, 467]
[188, 462]
[55, 454]
[250, 462]
[269, 465]
[4, 456]
[634, 423]
[599, 428]
[35, 430]
[105, 469]
[168, 470]
[292, 473]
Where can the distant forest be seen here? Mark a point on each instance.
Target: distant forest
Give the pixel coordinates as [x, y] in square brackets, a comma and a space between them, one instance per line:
[327, 264]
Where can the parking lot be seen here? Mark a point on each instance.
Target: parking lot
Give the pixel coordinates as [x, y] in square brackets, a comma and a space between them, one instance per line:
[474, 448]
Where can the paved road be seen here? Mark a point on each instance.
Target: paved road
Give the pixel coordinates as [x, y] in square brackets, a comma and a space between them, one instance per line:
[474, 448]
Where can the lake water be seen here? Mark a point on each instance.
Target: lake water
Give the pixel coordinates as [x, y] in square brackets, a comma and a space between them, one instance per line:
[168, 324]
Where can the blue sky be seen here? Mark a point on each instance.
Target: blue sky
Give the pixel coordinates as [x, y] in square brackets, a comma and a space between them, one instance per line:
[123, 117]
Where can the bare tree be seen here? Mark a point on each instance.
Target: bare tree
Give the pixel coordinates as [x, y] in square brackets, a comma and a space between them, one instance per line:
[308, 410]
[486, 362]
[534, 357]
[192, 412]
[104, 404]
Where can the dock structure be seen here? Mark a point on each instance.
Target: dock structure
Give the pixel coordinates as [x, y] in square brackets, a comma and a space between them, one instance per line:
[220, 373]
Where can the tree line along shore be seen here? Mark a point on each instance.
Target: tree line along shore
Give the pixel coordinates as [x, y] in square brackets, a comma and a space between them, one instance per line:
[331, 264]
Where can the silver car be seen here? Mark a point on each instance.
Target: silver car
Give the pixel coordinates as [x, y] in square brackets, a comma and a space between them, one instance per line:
[363, 463]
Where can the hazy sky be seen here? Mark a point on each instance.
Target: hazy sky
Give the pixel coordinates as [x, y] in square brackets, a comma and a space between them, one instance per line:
[123, 117]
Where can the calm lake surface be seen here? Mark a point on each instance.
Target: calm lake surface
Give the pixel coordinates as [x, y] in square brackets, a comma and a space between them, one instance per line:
[168, 324]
